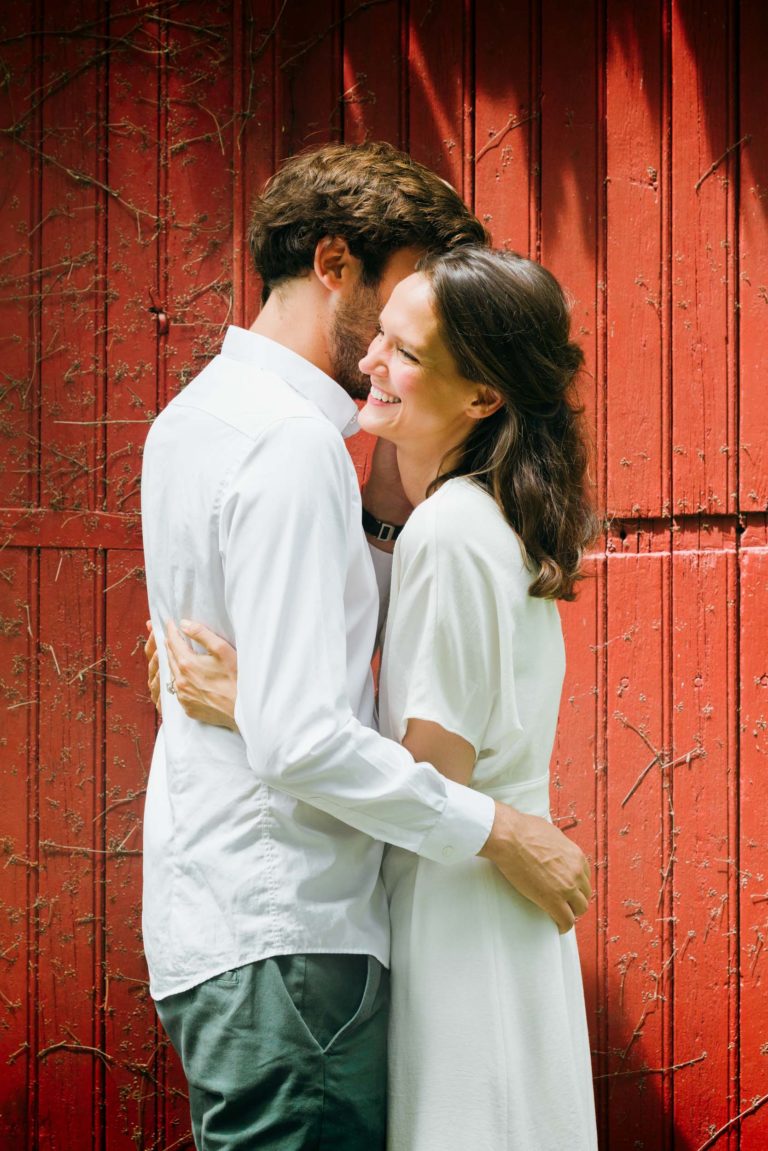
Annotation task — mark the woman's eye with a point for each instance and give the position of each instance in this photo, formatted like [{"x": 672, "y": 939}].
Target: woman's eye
[{"x": 408, "y": 356}]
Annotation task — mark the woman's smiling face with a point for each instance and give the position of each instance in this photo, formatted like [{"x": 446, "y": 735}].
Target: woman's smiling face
[{"x": 418, "y": 397}]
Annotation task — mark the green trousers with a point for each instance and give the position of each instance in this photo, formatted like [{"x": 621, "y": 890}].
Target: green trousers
[{"x": 285, "y": 1054}]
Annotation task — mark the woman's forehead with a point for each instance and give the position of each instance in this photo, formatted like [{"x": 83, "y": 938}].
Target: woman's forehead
[{"x": 411, "y": 303}]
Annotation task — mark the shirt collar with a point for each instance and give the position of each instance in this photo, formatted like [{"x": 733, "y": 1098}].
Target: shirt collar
[{"x": 314, "y": 385}]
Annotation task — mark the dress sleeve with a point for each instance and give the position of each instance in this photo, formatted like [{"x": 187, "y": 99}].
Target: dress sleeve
[{"x": 452, "y": 631}]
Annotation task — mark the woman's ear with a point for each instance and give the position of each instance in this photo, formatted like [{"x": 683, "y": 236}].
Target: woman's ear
[
  {"x": 334, "y": 264},
  {"x": 485, "y": 401}
]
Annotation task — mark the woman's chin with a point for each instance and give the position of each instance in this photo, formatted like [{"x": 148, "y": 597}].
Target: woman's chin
[{"x": 370, "y": 421}]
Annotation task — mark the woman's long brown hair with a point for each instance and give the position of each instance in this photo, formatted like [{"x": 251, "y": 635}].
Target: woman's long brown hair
[{"x": 507, "y": 324}]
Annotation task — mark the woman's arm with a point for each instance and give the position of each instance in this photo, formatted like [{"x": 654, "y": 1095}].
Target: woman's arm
[
  {"x": 453, "y": 756},
  {"x": 206, "y": 686}
]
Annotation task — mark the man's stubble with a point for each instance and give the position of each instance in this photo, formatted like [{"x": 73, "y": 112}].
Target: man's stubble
[{"x": 354, "y": 326}]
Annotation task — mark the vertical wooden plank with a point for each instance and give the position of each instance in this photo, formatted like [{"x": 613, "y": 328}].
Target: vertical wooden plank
[
  {"x": 372, "y": 93},
  {"x": 197, "y": 159},
  {"x": 638, "y": 971},
  {"x": 753, "y": 259},
  {"x": 18, "y": 274},
  {"x": 255, "y": 33},
  {"x": 133, "y": 230},
  {"x": 69, "y": 940},
  {"x": 439, "y": 104},
  {"x": 310, "y": 69},
  {"x": 18, "y": 877},
  {"x": 19, "y": 485},
  {"x": 507, "y": 111},
  {"x": 754, "y": 842},
  {"x": 132, "y": 1030},
  {"x": 576, "y": 766},
  {"x": 637, "y": 180},
  {"x": 567, "y": 237},
  {"x": 702, "y": 437},
  {"x": 702, "y": 763},
  {"x": 73, "y": 285},
  {"x": 69, "y": 1065},
  {"x": 571, "y": 165}
]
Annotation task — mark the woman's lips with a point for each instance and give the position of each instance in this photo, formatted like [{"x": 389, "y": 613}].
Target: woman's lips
[{"x": 377, "y": 396}]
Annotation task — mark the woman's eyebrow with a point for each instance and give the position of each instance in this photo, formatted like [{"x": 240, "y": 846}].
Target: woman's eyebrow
[{"x": 393, "y": 332}]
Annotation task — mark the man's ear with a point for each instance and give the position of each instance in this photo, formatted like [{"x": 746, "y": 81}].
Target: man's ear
[
  {"x": 334, "y": 264},
  {"x": 484, "y": 403}
]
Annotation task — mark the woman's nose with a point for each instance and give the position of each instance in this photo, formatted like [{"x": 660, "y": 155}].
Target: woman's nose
[{"x": 370, "y": 362}]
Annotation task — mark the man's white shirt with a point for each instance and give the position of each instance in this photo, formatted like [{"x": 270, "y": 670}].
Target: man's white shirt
[{"x": 269, "y": 842}]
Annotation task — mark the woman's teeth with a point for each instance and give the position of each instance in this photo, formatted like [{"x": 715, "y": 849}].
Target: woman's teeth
[{"x": 382, "y": 397}]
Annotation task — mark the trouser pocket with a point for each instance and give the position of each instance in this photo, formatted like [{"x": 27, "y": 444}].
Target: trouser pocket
[{"x": 332, "y": 994}]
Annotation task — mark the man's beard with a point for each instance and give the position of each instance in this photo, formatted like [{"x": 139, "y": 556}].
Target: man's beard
[{"x": 354, "y": 326}]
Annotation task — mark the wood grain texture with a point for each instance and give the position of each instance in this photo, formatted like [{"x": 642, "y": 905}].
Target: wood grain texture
[
  {"x": 508, "y": 111},
  {"x": 639, "y": 888},
  {"x": 133, "y": 1037},
  {"x": 578, "y": 777},
  {"x": 67, "y": 921},
  {"x": 753, "y": 258},
  {"x": 703, "y": 762},
  {"x": 637, "y": 184},
  {"x": 438, "y": 97},
  {"x": 702, "y": 243},
  {"x": 18, "y": 894},
  {"x": 753, "y": 855}
]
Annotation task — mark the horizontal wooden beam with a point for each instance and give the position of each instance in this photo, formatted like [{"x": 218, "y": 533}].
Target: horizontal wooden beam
[{"x": 45, "y": 528}]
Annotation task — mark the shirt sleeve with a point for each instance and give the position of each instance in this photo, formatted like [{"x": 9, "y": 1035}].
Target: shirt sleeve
[
  {"x": 452, "y": 631},
  {"x": 284, "y": 537}
]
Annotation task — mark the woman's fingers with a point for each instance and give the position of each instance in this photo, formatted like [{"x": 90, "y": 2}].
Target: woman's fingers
[
  {"x": 150, "y": 647},
  {"x": 203, "y": 681},
  {"x": 154, "y": 691},
  {"x": 201, "y": 635},
  {"x": 173, "y": 648}
]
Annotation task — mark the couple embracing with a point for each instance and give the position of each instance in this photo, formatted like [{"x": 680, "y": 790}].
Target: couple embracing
[{"x": 272, "y": 903}]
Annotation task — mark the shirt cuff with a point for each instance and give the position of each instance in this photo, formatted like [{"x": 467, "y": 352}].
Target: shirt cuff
[{"x": 463, "y": 827}]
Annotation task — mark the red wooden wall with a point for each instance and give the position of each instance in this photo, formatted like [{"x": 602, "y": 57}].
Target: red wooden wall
[{"x": 623, "y": 143}]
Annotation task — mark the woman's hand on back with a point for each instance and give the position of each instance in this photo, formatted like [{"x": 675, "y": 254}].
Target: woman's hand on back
[{"x": 205, "y": 683}]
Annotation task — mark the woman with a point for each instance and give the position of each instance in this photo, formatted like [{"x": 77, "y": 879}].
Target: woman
[{"x": 471, "y": 375}]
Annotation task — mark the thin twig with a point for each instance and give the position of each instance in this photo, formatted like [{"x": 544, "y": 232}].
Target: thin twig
[
  {"x": 76, "y": 849},
  {"x": 129, "y": 798},
  {"x": 713, "y": 167},
  {"x": 78, "y": 1049},
  {"x": 758, "y": 1103},
  {"x": 510, "y": 125},
  {"x": 638, "y": 781},
  {"x": 654, "y": 1070}
]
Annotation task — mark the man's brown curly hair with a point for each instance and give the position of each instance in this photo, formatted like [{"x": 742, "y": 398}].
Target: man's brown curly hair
[{"x": 375, "y": 197}]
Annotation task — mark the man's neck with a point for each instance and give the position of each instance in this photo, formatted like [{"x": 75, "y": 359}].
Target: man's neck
[{"x": 293, "y": 316}]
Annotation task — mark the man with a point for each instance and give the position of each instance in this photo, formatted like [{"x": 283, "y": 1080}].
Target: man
[{"x": 265, "y": 921}]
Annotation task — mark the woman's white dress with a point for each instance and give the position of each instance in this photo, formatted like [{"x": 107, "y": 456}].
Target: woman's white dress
[{"x": 488, "y": 1038}]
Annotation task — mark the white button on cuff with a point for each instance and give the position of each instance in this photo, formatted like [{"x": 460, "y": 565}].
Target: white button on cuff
[{"x": 447, "y": 852}]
